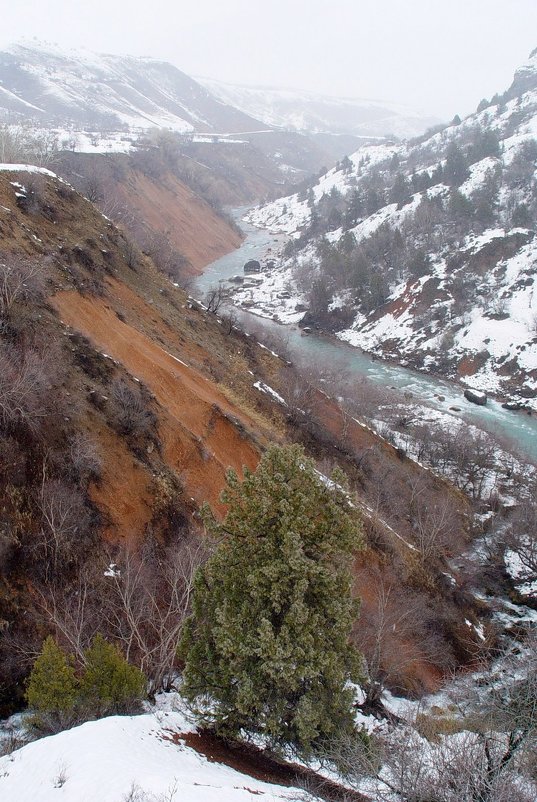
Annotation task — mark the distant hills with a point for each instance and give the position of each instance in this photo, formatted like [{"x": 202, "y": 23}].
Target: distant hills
[
  {"x": 59, "y": 87},
  {"x": 311, "y": 113},
  {"x": 99, "y": 92}
]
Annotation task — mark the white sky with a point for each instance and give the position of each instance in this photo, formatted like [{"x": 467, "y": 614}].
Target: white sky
[{"x": 440, "y": 57}]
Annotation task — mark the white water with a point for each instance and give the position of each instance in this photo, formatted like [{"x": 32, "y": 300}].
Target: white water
[{"x": 515, "y": 427}]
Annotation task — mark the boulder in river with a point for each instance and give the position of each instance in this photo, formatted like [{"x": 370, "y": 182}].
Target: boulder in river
[
  {"x": 515, "y": 406},
  {"x": 252, "y": 266},
  {"x": 476, "y": 397}
]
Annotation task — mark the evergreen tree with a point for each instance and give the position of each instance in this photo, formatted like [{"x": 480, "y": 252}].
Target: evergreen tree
[
  {"x": 460, "y": 208},
  {"x": 400, "y": 192},
  {"x": 456, "y": 167},
  {"x": 52, "y": 691},
  {"x": 110, "y": 684},
  {"x": 267, "y": 647},
  {"x": 354, "y": 208},
  {"x": 418, "y": 262},
  {"x": 346, "y": 165}
]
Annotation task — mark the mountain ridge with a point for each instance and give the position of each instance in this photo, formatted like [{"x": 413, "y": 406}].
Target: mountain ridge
[{"x": 316, "y": 113}]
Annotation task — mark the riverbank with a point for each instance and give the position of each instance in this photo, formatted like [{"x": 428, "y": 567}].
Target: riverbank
[{"x": 442, "y": 395}]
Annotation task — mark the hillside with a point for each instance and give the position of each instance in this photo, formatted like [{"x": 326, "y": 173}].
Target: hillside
[
  {"x": 114, "y": 92},
  {"x": 143, "y": 756},
  {"x": 312, "y": 113},
  {"x": 84, "y": 102},
  {"x": 123, "y": 403},
  {"x": 424, "y": 252}
]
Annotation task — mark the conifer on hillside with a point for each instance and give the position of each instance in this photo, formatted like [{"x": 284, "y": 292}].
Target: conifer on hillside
[{"x": 267, "y": 648}]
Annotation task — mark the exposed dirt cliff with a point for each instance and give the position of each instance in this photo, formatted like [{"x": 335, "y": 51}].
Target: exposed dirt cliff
[{"x": 161, "y": 398}]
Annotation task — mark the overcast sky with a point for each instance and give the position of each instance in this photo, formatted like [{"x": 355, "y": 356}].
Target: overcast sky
[{"x": 437, "y": 56}]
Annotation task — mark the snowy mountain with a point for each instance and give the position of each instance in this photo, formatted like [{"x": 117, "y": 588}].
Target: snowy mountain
[
  {"x": 312, "y": 113},
  {"x": 425, "y": 251},
  {"x": 57, "y": 87}
]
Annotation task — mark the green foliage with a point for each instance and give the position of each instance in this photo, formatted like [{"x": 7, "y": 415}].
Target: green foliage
[
  {"x": 400, "y": 191},
  {"x": 267, "y": 648},
  {"x": 110, "y": 684},
  {"x": 456, "y": 167},
  {"x": 52, "y": 688},
  {"x": 460, "y": 208},
  {"x": 418, "y": 262}
]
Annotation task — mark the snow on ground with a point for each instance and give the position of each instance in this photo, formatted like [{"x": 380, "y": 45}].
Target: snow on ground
[
  {"x": 264, "y": 388},
  {"x": 103, "y": 761},
  {"x": 26, "y": 168},
  {"x": 518, "y": 571}
]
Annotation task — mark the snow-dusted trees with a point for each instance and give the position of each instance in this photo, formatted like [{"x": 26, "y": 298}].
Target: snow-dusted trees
[
  {"x": 59, "y": 695},
  {"x": 267, "y": 648}
]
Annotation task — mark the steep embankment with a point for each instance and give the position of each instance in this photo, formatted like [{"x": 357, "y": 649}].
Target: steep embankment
[
  {"x": 167, "y": 218},
  {"x": 134, "y": 402},
  {"x": 169, "y": 208},
  {"x": 192, "y": 409}
]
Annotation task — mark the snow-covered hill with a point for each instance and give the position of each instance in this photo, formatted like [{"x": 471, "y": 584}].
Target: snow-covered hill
[
  {"x": 313, "y": 113},
  {"x": 143, "y": 758},
  {"x": 53, "y": 86},
  {"x": 425, "y": 251}
]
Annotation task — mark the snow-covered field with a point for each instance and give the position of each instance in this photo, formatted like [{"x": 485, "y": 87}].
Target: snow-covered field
[{"x": 126, "y": 759}]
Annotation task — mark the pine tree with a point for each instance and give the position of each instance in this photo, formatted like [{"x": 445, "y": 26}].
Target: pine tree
[
  {"x": 53, "y": 688},
  {"x": 110, "y": 684},
  {"x": 267, "y": 647},
  {"x": 456, "y": 167}
]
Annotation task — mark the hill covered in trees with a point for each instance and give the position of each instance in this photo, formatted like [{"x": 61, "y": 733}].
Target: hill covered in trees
[{"x": 425, "y": 251}]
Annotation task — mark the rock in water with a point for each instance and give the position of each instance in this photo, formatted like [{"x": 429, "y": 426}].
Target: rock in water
[
  {"x": 476, "y": 397},
  {"x": 253, "y": 266}
]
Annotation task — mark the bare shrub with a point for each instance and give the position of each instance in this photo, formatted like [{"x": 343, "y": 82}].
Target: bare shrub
[
  {"x": 215, "y": 297},
  {"x": 24, "y": 387},
  {"x": 21, "y": 280},
  {"x": 19, "y": 145},
  {"x": 158, "y": 246},
  {"x": 140, "y": 601},
  {"x": 85, "y": 463},
  {"x": 133, "y": 415}
]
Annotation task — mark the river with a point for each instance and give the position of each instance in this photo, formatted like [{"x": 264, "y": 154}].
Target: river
[{"x": 518, "y": 428}]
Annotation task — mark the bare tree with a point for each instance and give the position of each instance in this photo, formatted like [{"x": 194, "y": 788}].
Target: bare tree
[
  {"x": 435, "y": 529},
  {"x": 75, "y": 613},
  {"x": 395, "y": 634},
  {"x": 522, "y": 539},
  {"x": 147, "y": 605},
  {"x": 229, "y": 320},
  {"x": 215, "y": 297},
  {"x": 138, "y": 600},
  {"x": 65, "y": 523}
]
